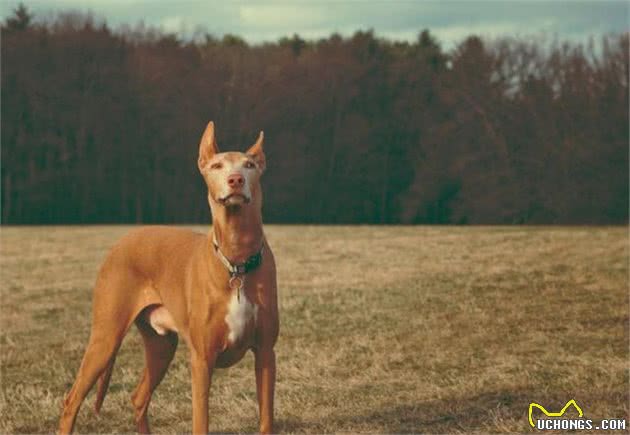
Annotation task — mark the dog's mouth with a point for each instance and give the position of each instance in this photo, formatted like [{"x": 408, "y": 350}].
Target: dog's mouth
[{"x": 234, "y": 199}]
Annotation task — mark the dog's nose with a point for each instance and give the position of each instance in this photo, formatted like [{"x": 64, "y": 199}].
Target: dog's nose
[{"x": 236, "y": 180}]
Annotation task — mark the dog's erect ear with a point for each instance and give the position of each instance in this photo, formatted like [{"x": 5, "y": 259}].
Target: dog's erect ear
[
  {"x": 257, "y": 153},
  {"x": 207, "y": 146}
]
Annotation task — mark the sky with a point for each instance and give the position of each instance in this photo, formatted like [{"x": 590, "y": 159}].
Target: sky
[{"x": 267, "y": 20}]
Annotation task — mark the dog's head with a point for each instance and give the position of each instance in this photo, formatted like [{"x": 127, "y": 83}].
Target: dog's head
[{"x": 233, "y": 178}]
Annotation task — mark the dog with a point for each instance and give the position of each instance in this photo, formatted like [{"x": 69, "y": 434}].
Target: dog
[{"x": 218, "y": 292}]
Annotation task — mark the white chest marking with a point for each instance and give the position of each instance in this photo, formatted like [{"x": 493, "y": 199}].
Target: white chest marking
[{"x": 239, "y": 313}]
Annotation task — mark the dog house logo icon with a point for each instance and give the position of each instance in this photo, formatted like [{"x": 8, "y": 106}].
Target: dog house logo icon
[{"x": 553, "y": 414}]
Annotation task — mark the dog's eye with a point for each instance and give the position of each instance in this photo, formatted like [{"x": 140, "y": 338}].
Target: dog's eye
[
  {"x": 249, "y": 165},
  {"x": 217, "y": 165}
]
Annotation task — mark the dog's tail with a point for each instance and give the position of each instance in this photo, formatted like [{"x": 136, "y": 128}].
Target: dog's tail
[{"x": 103, "y": 383}]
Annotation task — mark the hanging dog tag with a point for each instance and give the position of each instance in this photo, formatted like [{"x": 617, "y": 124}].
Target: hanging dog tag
[{"x": 237, "y": 282}]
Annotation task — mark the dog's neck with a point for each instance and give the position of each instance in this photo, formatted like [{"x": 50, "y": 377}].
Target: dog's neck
[{"x": 238, "y": 231}]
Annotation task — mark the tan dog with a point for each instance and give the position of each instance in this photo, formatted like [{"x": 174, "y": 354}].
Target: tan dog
[{"x": 218, "y": 292}]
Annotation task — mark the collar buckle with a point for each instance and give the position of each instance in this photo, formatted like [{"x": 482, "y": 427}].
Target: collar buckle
[{"x": 239, "y": 269}]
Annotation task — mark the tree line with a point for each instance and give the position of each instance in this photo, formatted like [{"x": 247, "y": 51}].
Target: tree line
[{"x": 103, "y": 126}]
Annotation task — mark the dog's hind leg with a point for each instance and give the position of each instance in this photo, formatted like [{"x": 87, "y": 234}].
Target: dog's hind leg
[
  {"x": 159, "y": 351},
  {"x": 103, "y": 384},
  {"x": 99, "y": 352},
  {"x": 111, "y": 317}
]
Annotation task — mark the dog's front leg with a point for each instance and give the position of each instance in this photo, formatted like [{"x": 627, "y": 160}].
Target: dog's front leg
[
  {"x": 265, "y": 383},
  {"x": 201, "y": 368}
]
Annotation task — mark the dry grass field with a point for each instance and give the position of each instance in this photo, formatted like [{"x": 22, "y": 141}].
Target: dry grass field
[{"x": 383, "y": 329}]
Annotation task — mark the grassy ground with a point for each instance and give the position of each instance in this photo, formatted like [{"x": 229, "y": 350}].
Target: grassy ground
[{"x": 399, "y": 329}]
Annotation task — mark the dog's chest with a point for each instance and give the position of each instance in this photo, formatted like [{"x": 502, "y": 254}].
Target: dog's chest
[{"x": 240, "y": 318}]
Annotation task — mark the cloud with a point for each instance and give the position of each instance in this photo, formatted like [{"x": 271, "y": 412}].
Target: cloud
[
  {"x": 174, "y": 24},
  {"x": 279, "y": 16}
]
